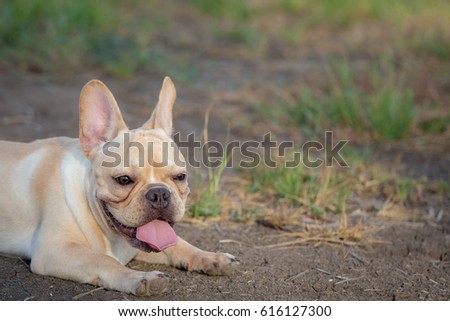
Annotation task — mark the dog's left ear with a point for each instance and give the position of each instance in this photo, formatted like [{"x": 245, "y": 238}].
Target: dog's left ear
[{"x": 162, "y": 115}]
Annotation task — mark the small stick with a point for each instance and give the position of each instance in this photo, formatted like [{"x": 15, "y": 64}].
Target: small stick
[
  {"x": 348, "y": 280},
  {"x": 292, "y": 278},
  {"x": 433, "y": 281},
  {"x": 323, "y": 271},
  {"x": 235, "y": 242},
  {"x": 358, "y": 258},
  {"x": 401, "y": 271}
]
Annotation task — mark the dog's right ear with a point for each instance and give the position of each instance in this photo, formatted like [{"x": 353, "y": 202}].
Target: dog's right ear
[
  {"x": 162, "y": 115},
  {"x": 100, "y": 117}
]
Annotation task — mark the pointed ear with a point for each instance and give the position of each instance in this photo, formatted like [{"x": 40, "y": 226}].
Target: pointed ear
[
  {"x": 100, "y": 117},
  {"x": 162, "y": 115}
]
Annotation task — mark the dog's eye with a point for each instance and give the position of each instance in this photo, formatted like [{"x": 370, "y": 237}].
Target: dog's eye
[
  {"x": 180, "y": 177},
  {"x": 124, "y": 180}
]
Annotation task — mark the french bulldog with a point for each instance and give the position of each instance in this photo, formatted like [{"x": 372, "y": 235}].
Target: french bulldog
[{"x": 81, "y": 209}]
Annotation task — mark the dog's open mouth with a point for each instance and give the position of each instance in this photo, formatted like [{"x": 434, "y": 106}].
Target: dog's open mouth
[{"x": 154, "y": 236}]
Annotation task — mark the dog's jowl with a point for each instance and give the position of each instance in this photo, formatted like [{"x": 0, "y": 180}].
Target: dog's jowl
[{"x": 77, "y": 218}]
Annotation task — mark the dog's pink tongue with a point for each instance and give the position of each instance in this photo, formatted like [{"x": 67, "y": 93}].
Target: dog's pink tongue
[{"x": 158, "y": 234}]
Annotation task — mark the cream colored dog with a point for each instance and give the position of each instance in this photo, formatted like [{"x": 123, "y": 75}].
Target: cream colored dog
[{"x": 82, "y": 209}]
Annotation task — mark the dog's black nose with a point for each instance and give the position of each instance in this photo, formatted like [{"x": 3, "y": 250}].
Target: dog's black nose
[{"x": 159, "y": 197}]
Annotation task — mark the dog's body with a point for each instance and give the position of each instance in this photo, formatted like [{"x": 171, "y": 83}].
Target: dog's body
[{"x": 64, "y": 205}]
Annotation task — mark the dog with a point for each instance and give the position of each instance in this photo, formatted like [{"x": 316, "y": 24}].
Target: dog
[{"x": 78, "y": 211}]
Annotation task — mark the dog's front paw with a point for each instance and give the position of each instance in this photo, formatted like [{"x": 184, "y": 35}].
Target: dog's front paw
[
  {"x": 149, "y": 283},
  {"x": 213, "y": 263}
]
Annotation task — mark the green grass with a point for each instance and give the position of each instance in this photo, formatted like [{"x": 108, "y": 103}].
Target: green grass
[
  {"x": 413, "y": 26},
  {"x": 345, "y": 13},
  {"x": 120, "y": 36},
  {"x": 405, "y": 188},
  {"x": 435, "y": 42},
  {"x": 379, "y": 104},
  {"x": 336, "y": 12},
  {"x": 436, "y": 125},
  {"x": 230, "y": 21},
  {"x": 235, "y": 9},
  {"x": 428, "y": 32},
  {"x": 121, "y": 56},
  {"x": 207, "y": 202},
  {"x": 444, "y": 187},
  {"x": 240, "y": 34},
  {"x": 58, "y": 36},
  {"x": 319, "y": 190},
  {"x": 207, "y": 199},
  {"x": 43, "y": 34}
]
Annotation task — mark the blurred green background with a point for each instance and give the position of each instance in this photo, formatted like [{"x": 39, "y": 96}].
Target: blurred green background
[
  {"x": 375, "y": 72},
  {"x": 125, "y": 36},
  {"x": 401, "y": 40}
]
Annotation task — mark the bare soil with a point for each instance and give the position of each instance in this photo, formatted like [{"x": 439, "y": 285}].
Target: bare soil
[
  {"x": 414, "y": 266},
  {"x": 412, "y": 263}
]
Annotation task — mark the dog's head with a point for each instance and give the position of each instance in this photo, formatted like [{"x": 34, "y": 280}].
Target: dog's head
[{"x": 139, "y": 176}]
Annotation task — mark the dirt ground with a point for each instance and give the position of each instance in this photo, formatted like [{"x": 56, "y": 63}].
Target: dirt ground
[
  {"x": 411, "y": 264},
  {"x": 408, "y": 269}
]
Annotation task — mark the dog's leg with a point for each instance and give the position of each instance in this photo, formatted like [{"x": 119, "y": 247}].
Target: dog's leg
[
  {"x": 78, "y": 263},
  {"x": 188, "y": 257}
]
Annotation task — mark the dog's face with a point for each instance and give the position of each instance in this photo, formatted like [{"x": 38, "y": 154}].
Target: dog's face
[
  {"x": 148, "y": 183},
  {"x": 139, "y": 176}
]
